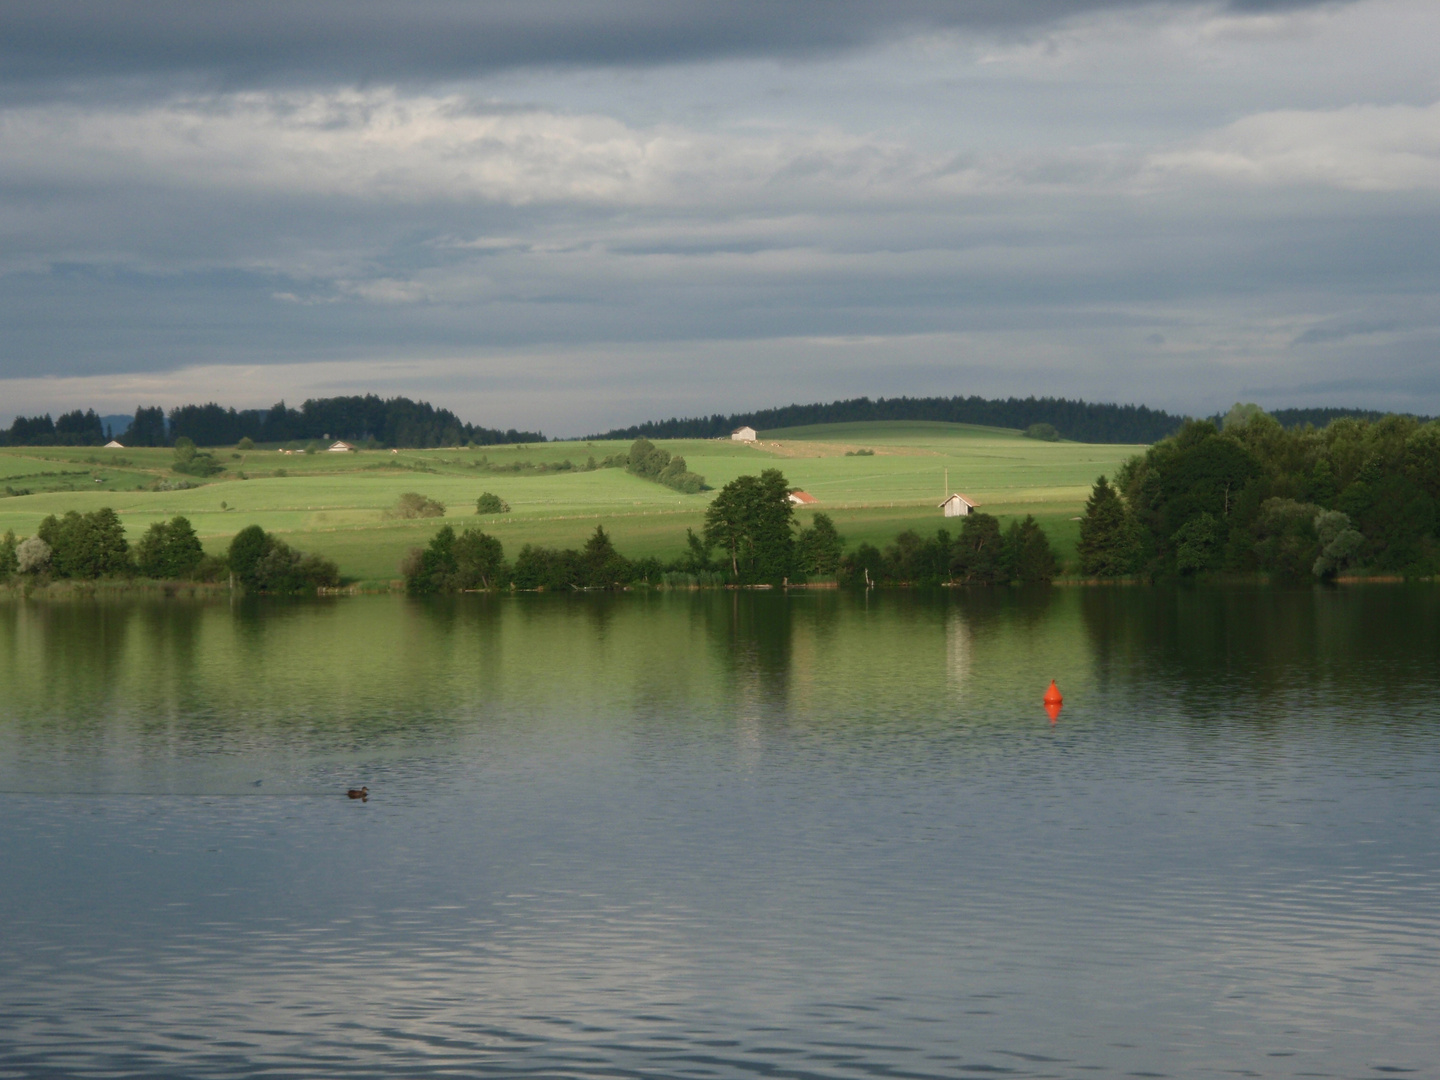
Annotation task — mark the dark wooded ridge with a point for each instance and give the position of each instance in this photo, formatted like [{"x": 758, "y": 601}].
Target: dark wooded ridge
[
  {"x": 398, "y": 422},
  {"x": 401, "y": 422},
  {"x": 1078, "y": 421}
]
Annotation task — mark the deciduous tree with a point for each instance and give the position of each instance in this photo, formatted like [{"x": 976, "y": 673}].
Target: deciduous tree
[{"x": 750, "y": 520}]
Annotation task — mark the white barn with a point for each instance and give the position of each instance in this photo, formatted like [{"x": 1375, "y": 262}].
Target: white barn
[
  {"x": 958, "y": 505},
  {"x": 340, "y": 447},
  {"x": 744, "y": 434},
  {"x": 114, "y": 444}
]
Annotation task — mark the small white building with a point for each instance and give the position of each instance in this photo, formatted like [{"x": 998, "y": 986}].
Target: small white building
[
  {"x": 744, "y": 434},
  {"x": 958, "y": 505},
  {"x": 802, "y": 498},
  {"x": 339, "y": 448},
  {"x": 114, "y": 444}
]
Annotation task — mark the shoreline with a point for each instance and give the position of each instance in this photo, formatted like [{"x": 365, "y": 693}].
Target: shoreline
[{"x": 67, "y": 590}]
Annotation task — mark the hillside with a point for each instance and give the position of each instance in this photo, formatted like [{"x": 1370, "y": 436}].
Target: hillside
[
  {"x": 336, "y": 504},
  {"x": 1080, "y": 421}
]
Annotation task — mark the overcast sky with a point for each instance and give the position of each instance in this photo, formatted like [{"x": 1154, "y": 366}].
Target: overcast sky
[{"x": 572, "y": 215}]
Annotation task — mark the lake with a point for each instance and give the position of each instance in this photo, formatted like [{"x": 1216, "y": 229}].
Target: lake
[{"x": 724, "y": 834}]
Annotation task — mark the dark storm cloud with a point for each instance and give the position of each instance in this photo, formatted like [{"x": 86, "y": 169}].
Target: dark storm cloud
[{"x": 262, "y": 41}]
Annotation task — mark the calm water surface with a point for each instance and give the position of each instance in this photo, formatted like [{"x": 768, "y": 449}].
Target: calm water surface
[{"x": 724, "y": 835}]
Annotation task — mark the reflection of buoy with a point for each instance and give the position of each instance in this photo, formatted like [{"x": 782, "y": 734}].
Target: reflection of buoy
[
  {"x": 1052, "y": 710},
  {"x": 1053, "y": 694}
]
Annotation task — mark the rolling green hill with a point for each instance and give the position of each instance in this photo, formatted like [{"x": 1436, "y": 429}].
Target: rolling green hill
[{"x": 335, "y": 504}]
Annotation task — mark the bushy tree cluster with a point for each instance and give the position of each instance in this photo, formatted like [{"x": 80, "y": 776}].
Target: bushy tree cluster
[
  {"x": 192, "y": 462},
  {"x": 647, "y": 460},
  {"x": 1258, "y": 497},
  {"x": 980, "y": 555},
  {"x": 169, "y": 550},
  {"x": 411, "y": 504},
  {"x": 86, "y": 545},
  {"x": 262, "y": 563},
  {"x": 595, "y": 566},
  {"x": 93, "y": 545},
  {"x": 473, "y": 560},
  {"x": 490, "y": 503}
]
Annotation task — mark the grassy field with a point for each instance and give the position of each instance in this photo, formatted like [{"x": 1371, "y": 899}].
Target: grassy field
[{"x": 335, "y": 504}]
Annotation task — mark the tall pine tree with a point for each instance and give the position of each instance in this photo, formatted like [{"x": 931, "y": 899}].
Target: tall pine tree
[{"x": 1109, "y": 541}]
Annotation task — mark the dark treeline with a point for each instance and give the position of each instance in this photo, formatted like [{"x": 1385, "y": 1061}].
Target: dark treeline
[
  {"x": 981, "y": 554},
  {"x": 397, "y": 422},
  {"x": 401, "y": 422},
  {"x": 72, "y": 429},
  {"x": 1080, "y": 421},
  {"x": 1252, "y": 496}
]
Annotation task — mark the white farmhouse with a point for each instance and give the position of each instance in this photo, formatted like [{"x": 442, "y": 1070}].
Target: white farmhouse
[
  {"x": 340, "y": 447},
  {"x": 114, "y": 444},
  {"x": 744, "y": 434},
  {"x": 958, "y": 505}
]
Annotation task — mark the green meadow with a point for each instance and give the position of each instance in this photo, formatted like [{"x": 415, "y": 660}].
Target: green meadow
[{"x": 336, "y": 504}]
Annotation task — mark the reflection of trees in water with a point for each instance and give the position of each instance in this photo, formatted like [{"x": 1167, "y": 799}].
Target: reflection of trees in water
[
  {"x": 753, "y": 630},
  {"x": 959, "y": 651},
  {"x": 82, "y": 655},
  {"x": 449, "y": 655},
  {"x": 981, "y": 639},
  {"x": 1209, "y": 646},
  {"x": 753, "y": 635},
  {"x": 170, "y": 642}
]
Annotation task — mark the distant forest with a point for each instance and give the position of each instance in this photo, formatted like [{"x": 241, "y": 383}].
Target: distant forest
[
  {"x": 400, "y": 422},
  {"x": 1079, "y": 421},
  {"x": 397, "y": 422}
]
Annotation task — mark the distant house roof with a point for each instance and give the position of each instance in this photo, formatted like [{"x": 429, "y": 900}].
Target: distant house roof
[
  {"x": 114, "y": 445},
  {"x": 962, "y": 498},
  {"x": 339, "y": 447},
  {"x": 745, "y": 434},
  {"x": 802, "y": 498}
]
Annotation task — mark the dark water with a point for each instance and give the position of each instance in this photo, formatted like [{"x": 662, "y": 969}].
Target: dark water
[{"x": 724, "y": 836}]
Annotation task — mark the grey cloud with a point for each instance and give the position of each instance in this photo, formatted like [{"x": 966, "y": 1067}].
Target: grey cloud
[
  {"x": 267, "y": 41},
  {"x": 1333, "y": 330}
]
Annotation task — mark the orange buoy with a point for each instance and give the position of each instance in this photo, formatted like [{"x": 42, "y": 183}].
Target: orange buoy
[
  {"x": 1052, "y": 710},
  {"x": 1052, "y": 696}
]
